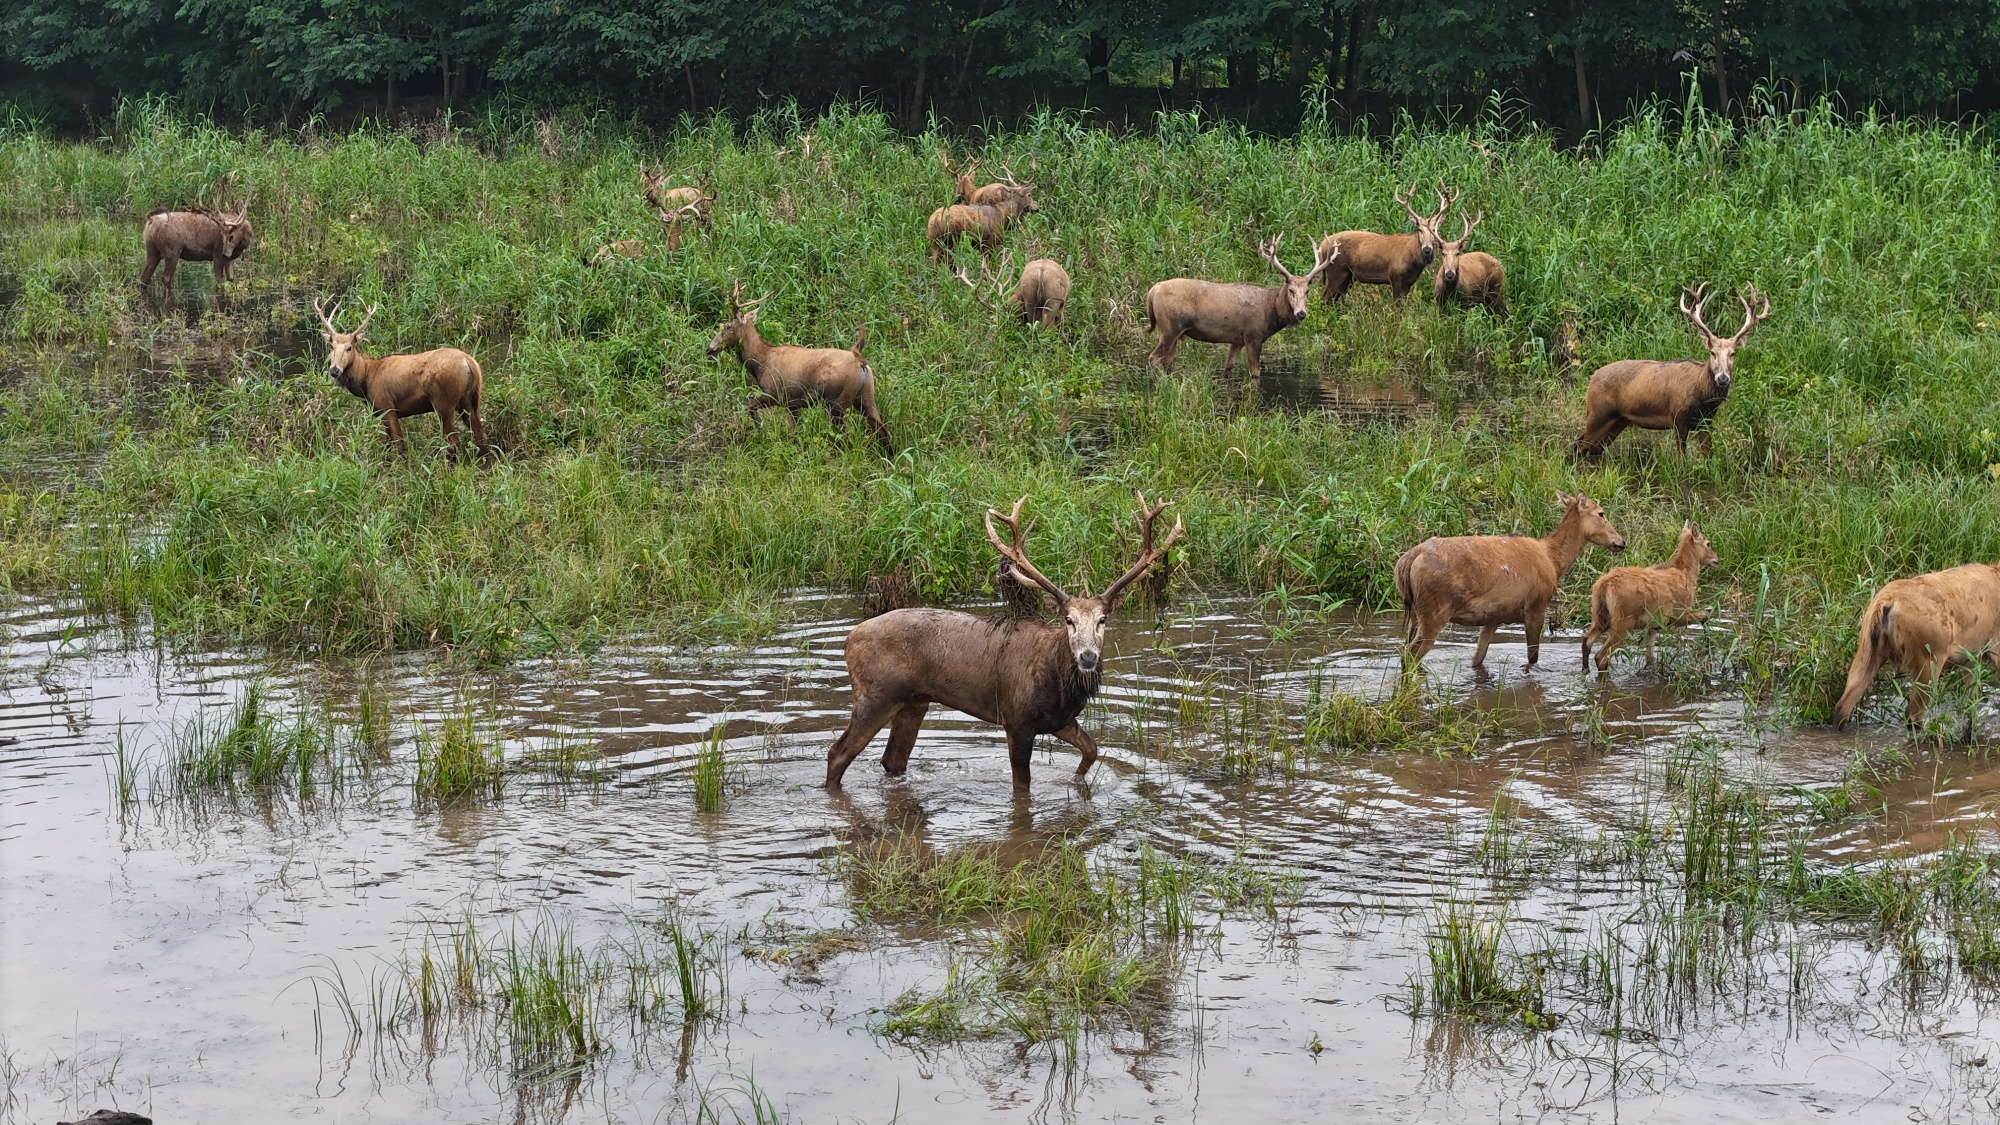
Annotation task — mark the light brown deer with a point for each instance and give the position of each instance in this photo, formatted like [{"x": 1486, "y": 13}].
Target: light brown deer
[
  {"x": 205, "y": 232},
  {"x": 795, "y": 377},
  {"x": 1394, "y": 260},
  {"x": 636, "y": 247},
  {"x": 444, "y": 381},
  {"x": 1647, "y": 597},
  {"x": 1919, "y": 625},
  {"x": 697, "y": 203},
  {"x": 1038, "y": 297},
  {"x": 1022, "y": 674},
  {"x": 1494, "y": 580},
  {"x": 1241, "y": 314},
  {"x": 1470, "y": 277},
  {"x": 985, "y": 223},
  {"x": 1679, "y": 395}
]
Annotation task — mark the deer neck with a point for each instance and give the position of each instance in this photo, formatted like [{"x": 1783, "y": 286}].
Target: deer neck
[
  {"x": 756, "y": 353},
  {"x": 1565, "y": 543},
  {"x": 1685, "y": 560},
  {"x": 359, "y": 373}
]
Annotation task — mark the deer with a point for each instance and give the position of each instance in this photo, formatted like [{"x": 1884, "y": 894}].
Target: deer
[
  {"x": 796, "y": 377},
  {"x": 1037, "y": 298},
  {"x": 1241, "y": 314},
  {"x": 982, "y": 222},
  {"x": 1920, "y": 624},
  {"x": 1394, "y": 260},
  {"x": 205, "y": 232},
  {"x": 1679, "y": 395},
  {"x": 444, "y": 381},
  {"x": 697, "y": 203},
  {"x": 1022, "y": 674},
  {"x": 1471, "y": 278},
  {"x": 1494, "y": 580},
  {"x": 1644, "y": 597},
  {"x": 636, "y": 247}
]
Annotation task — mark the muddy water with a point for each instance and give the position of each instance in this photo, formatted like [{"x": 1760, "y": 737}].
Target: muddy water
[{"x": 162, "y": 959}]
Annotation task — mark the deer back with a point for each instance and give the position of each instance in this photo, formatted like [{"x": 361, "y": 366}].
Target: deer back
[
  {"x": 1042, "y": 291},
  {"x": 1652, "y": 394},
  {"x": 1481, "y": 579},
  {"x": 416, "y": 382},
  {"x": 1378, "y": 258},
  {"x": 1218, "y": 312},
  {"x": 1016, "y": 672},
  {"x": 794, "y": 374},
  {"x": 1953, "y": 612}
]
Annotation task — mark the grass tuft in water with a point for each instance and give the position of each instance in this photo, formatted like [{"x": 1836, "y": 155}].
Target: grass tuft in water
[
  {"x": 457, "y": 762},
  {"x": 1409, "y": 720},
  {"x": 253, "y": 745},
  {"x": 711, "y": 770},
  {"x": 1471, "y": 970}
]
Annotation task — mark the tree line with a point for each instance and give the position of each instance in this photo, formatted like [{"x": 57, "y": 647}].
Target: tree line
[{"x": 1567, "y": 63}]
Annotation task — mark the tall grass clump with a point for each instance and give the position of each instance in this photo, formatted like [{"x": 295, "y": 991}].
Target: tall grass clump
[
  {"x": 459, "y": 762},
  {"x": 251, "y": 745},
  {"x": 1472, "y": 970},
  {"x": 711, "y": 770}
]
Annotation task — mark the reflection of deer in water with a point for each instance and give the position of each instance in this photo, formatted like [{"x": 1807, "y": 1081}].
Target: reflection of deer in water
[{"x": 1028, "y": 677}]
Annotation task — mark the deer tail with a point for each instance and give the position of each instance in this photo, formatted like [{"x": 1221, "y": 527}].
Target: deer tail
[
  {"x": 1868, "y": 657},
  {"x": 1404, "y": 590},
  {"x": 860, "y": 338}
]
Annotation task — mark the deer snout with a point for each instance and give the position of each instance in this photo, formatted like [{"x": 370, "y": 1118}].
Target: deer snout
[
  {"x": 1087, "y": 660},
  {"x": 714, "y": 349},
  {"x": 1617, "y": 544},
  {"x": 1451, "y": 277}
]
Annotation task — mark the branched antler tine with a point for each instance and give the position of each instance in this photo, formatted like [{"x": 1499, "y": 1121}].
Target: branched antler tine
[
  {"x": 1446, "y": 197},
  {"x": 363, "y": 326},
  {"x": 1403, "y": 198},
  {"x": 1016, "y": 555},
  {"x": 1700, "y": 294},
  {"x": 1148, "y": 554},
  {"x": 1477, "y": 218},
  {"x": 960, "y": 274},
  {"x": 1748, "y": 294},
  {"x": 736, "y": 298},
  {"x": 323, "y": 318}
]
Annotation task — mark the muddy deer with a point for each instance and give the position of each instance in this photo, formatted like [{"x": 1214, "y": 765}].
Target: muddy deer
[
  {"x": 1241, "y": 314},
  {"x": 1470, "y": 277},
  {"x": 984, "y": 223},
  {"x": 1647, "y": 597},
  {"x": 1038, "y": 297},
  {"x": 1394, "y": 260},
  {"x": 795, "y": 377},
  {"x": 1494, "y": 580},
  {"x": 205, "y": 232},
  {"x": 444, "y": 381},
  {"x": 1679, "y": 395},
  {"x": 1022, "y": 674},
  {"x": 1921, "y": 624}
]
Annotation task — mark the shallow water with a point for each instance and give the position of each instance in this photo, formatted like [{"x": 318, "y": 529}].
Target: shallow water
[{"x": 161, "y": 959}]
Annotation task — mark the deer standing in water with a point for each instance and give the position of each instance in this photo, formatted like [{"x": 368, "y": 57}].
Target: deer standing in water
[
  {"x": 205, "y": 232},
  {"x": 1640, "y": 597},
  {"x": 1921, "y": 624}
]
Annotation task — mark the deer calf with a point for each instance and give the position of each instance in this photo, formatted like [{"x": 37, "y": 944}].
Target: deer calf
[
  {"x": 1241, "y": 314},
  {"x": 985, "y": 223},
  {"x": 201, "y": 233},
  {"x": 796, "y": 377},
  {"x": 1470, "y": 278},
  {"x": 1921, "y": 624},
  {"x": 1023, "y": 675},
  {"x": 1679, "y": 395},
  {"x": 1394, "y": 260},
  {"x": 1494, "y": 580},
  {"x": 444, "y": 381},
  {"x": 1640, "y": 597}
]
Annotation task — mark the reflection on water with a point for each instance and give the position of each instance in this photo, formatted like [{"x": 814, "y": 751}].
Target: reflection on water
[
  {"x": 1329, "y": 391},
  {"x": 155, "y": 957}
]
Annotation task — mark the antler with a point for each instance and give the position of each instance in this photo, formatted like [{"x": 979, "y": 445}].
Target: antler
[
  {"x": 249, "y": 193},
  {"x": 1319, "y": 263},
  {"x": 1268, "y": 250},
  {"x": 1016, "y": 555},
  {"x": 1148, "y": 554},
  {"x": 1446, "y": 197},
  {"x": 1404, "y": 198},
  {"x": 1751, "y": 319},
  {"x": 1477, "y": 218},
  {"x": 363, "y": 326},
  {"x": 1700, "y": 295},
  {"x": 325, "y": 319}
]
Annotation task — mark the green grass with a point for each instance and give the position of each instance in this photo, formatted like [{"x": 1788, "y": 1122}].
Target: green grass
[
  {"x": 459, "y": 762},
  {"x": 247, "y": 746},
  {"x": 711, "y": 770}
]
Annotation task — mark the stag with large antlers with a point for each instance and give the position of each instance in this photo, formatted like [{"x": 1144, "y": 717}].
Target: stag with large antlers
[
  {"x": 1470, "y": 277},
  {"x": 984, "y": 220},
  {"x": 205, "y": 232},
  {"x": 795, "y": 377},
  {"x": 1022, "y": 674},
  {"x": 1241, "y": 314},
  {"x": 1394, "y": 260},
  {"x": 443, "y": 381},
  {"x": 1679, "y": 395},
  {"x": 697, "y": 203}
]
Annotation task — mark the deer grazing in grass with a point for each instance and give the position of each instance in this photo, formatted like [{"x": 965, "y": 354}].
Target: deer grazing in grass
[
  {"x": 697, "y": 203},
  {"x": 1022, "y": 674},
  {"x": 1038, "y": 297},
  {"x": 1646, "y": 597},
  {"x": 1679, "y": 395},
  {"x": 1394, "y": 260},
  {"x": 796, "y": 377},
  {"x": 1241, "y": 314},
  {"x": 205, "y": 232},
  {"x": 984, "y": 223},
  {"x": 444, "y": 381},
  {"x": 1921, "y": 624},
  {"x": 1494, "y": 580},
  {"x": 1470, "y": 277}
]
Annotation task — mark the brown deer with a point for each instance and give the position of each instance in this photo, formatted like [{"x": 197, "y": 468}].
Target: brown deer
[
  {"x": 636, "y": 247},
  {"x": 796, "y": 377},
  {"x": 201, "y": 233},
  {"x": 1921, "y": 624},
  {"x": 697, "y": 203},
  {"x": 985, "y": 223},
  {"x": 1470, "y": 278},
  {"x": 1679, "y": 395},
  {"x": 1241, "y": 314},
  {"x": 1038, "y": 297},
  {"x": 1494, "y": 580},
  {"x": 1394, "y": 260},
  {"x": 1022, "y": 674},
  {"x": 1642, "y": 597},
  {"x": 444, "y": 381}
]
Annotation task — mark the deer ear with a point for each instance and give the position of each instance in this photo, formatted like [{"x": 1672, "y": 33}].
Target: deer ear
[{"x": 1564, "y": 498}]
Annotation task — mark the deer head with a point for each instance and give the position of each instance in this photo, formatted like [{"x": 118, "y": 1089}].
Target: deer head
[
  {"x": 235, "y": 224},
  {"x": 1594, "y": 526},
  {"x": 1296, "y": 285},
  {"x": 1427, "y": 225},
  {"x": 342, "y": 347},
  {"x": 1449, "y": 251},
  {"x": 1693, "y": 539},
  {"x": 742, "y": 322},
  {"x": 673, "y": 217},
  {"x": 1083, "y": 615},
  {"x": 1722, "y": 349}
]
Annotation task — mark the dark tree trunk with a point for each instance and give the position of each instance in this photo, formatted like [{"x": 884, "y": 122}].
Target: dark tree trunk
[
  {"x": 917, "y": 115},
  {"x": 1353, "y": 51},
  {"x": 1582, "y": 87},
  {"x": 1099, "y": 61},
  {"x": 971, "y": 41},
  {"x": 1721, "y": 75}
]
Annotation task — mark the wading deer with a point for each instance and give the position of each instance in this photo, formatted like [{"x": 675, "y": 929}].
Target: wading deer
[
  {"x": 982, "y": 222},
  {"x": 1024, "y": 675},
  {"x": 1494, "y": 580},
  {"x": 1679, "y": 395},
  {"x": 1241, "y": 314},
  {"x": 1921, "y": 624},
  {"x": 795, "y": 377},
  {"x": 1470, "y": 278},
  {"x": 201, "y": 233},
  {"x": 1647, "y": 597},
  {"x": 1394, "y": 260},
  {"x": 444, "y": 381}
]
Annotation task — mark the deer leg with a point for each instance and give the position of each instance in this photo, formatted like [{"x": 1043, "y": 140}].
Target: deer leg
[
  {"x": 1486, "y": 635},
  {"x": 1537, "y": 617},
  {"x": 1020, "y": 747},
  {"x": 152, "y": 263},
  {"x": 172, "y": 264},
  {"x": 394, "y": 426},
  {"x": 1231, "y": 361},
  {"x": 874, "y": 415},
  {"x": 1920, "y": 691},
  {"x": 1163, "y": 353},
  {"x": 1614, "y": 637},
  {"x": 1595, "y": 631},
  {"x": 1706, "y": 439},
  {"x": 1074, "y": 735},
  {"x": 867, "y": 718},
  {"x": 903, "y": 727},
  {"x": 455, "y": 449},
  {"x": 1335, "y": 286},
  {"x": 478, "y": 431},
  {"x": 1598, "y": 434},
  {"x": 1423, "y": 637},
  {"x": 221, "y": 270}
]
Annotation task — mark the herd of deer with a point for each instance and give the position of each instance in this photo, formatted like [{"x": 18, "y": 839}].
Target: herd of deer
[{"x": 1031, "y": 677}]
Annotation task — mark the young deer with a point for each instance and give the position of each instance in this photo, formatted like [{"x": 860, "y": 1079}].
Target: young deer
[
  {"x": 1240, "y": 314},
  {"x": 1643, "y": 597},
  {"x": 1494, "y": 580},
  {"x": 1024, "y": 675},
  {"x": 444, "y": 381},
  {"x": 205, "y": 232},
  {"x": 1679, "y": 395},
  {"x": 1394, "y": 260},
  {"x": 796, "y": 377},
  {"x": 1921, "y": 624},
  {"x": 1474, "y": 278}
]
